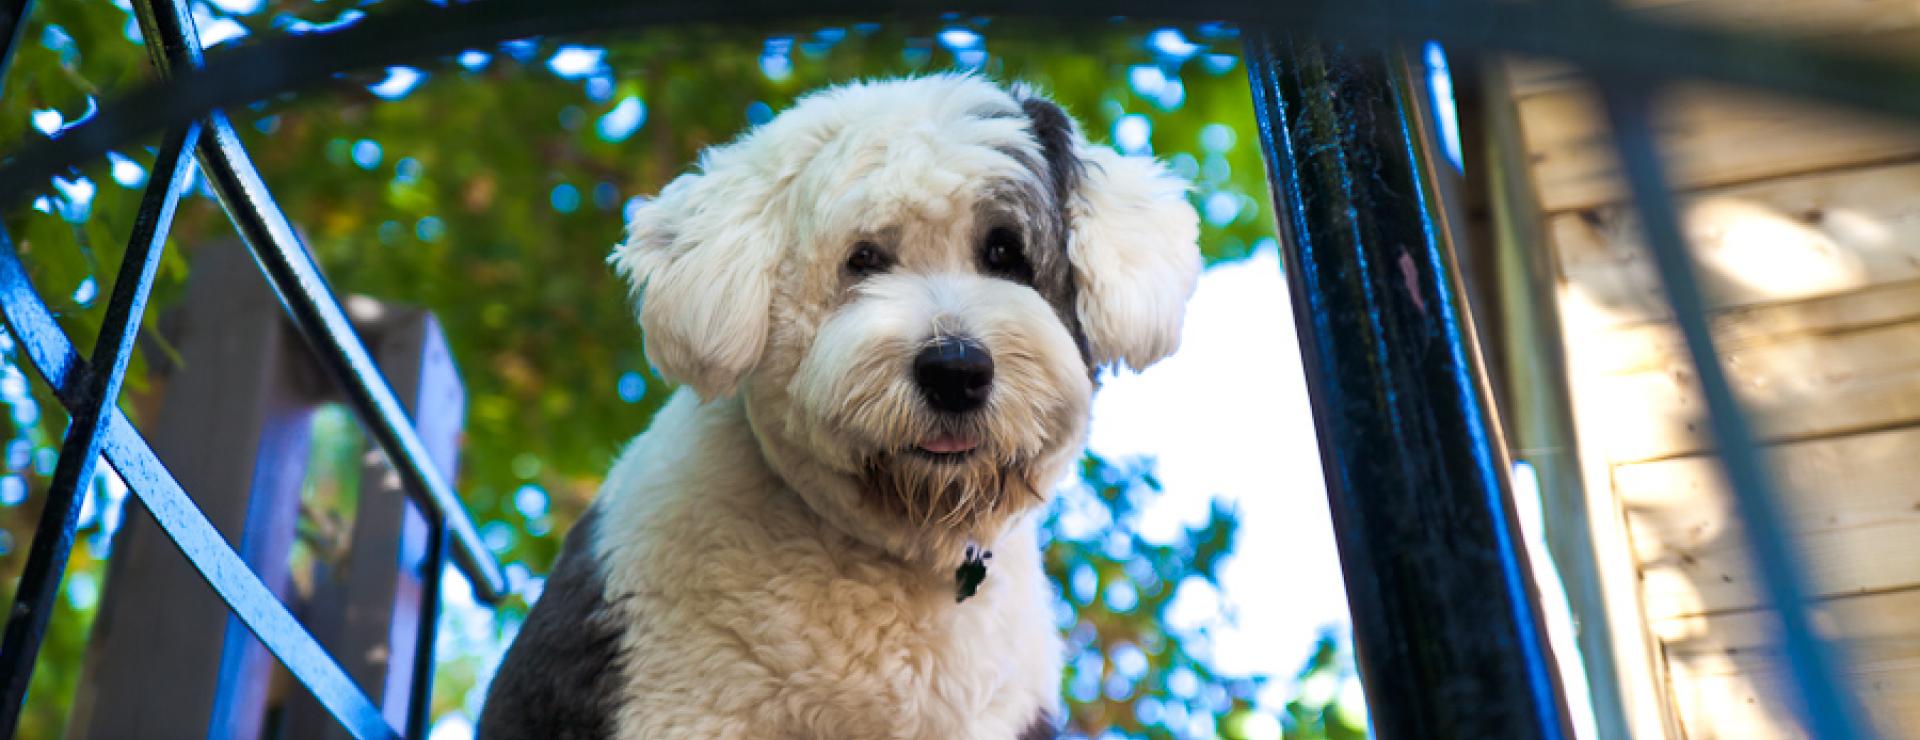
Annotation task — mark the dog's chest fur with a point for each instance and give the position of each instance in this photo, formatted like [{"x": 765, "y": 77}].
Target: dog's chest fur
[{"x": 727, "y": 608}]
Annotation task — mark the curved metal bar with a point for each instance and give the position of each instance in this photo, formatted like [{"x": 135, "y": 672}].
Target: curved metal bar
[
  {"x": 291, "y": 270},
  {"x": 1828, "y": 710},
  {"x": 1589, "y": 38},
  {"x": 52, "y": 354},
  {"x": 94, "y": 394}
]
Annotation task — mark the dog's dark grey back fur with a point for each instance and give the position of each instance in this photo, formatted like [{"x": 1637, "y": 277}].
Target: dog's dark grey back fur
[{"x": 559, "y": 681}]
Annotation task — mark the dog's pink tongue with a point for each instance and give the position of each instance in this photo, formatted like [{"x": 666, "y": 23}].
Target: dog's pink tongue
[{"x": 946, "y": 444}]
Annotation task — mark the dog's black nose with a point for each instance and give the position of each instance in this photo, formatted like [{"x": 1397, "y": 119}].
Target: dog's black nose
[{"x": 954, "y": 374}]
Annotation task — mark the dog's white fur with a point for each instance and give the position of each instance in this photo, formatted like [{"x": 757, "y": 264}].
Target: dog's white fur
[{"x": 784, "y": 565}]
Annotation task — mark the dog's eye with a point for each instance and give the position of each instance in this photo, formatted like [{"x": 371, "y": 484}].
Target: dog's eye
[
  {"x": 867, "y": 259},
  {"x": 1002, "y": 255}
]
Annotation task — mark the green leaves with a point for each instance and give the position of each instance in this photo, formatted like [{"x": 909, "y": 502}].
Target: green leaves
[{"x": 1128, "y": 668}]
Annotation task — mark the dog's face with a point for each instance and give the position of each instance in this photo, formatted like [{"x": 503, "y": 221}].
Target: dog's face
[{"x": 912, "y": 284}]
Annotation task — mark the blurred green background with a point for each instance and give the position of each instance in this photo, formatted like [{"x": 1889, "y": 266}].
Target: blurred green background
[{"x": 489, "y": 187}]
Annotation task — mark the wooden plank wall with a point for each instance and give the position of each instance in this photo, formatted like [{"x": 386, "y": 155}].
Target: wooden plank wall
[{"x": 1806, "y": 224}]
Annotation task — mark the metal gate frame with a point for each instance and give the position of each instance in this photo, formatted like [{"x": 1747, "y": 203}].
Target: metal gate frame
[
  {"x": 89, "y": 390},
  {"x": 1413, "y": 456}
]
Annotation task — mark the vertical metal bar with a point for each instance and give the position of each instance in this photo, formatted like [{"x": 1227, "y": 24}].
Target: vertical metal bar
[
  {"x": 420, "y": 701},
  {"x": 95, "y": 397},
  {"x": 1448, "y": 633},
  {"x": 1827, "y": 707}
]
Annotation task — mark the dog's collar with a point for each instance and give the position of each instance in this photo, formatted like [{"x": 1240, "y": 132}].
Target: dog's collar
[{"x": 972, "y": 571}]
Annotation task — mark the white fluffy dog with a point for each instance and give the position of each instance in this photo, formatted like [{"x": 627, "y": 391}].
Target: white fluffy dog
[{"x": 892, "y": 301}]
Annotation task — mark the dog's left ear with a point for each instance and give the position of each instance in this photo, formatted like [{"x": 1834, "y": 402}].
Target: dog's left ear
[
  {"x": 1132, "y": 239},
  {"x": 700, "y": 258}
]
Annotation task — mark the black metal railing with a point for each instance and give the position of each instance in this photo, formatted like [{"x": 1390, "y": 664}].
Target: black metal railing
[
  {"x": 1447, "y": 624},
  {"x": 89, "y": 390},
  {"x": 1366, "y": 250}
]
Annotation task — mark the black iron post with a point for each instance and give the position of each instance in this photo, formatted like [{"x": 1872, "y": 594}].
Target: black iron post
[{"x": 1449, "y": 638}]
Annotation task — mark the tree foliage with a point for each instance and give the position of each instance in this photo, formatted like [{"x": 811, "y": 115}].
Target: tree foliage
[{"x": 489, "y": 187}]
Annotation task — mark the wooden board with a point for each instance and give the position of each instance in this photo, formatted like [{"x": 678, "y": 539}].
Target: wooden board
[
  {"x": 1853, "y": 509},
  {"x": 1711, "y": 137},
  {"x": 1803, "y": 369},
  {"x": 1810, "y": 255},
  {"x": 1728, "y": 685},
  {"x": 1777, "y": 240}
]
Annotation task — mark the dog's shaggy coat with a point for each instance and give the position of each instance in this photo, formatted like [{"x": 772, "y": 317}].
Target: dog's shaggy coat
[{"x": 775, "y": 557}]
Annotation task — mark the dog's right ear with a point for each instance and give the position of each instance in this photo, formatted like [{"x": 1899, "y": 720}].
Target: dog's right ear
[{"x": 700, "y": 259}]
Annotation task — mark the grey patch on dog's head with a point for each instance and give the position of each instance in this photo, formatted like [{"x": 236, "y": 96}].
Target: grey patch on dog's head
[
  {"x": 1045, "y": 212},
  {"x": 1054, "y": 129},
  {"x": 558, "y": 681}
]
